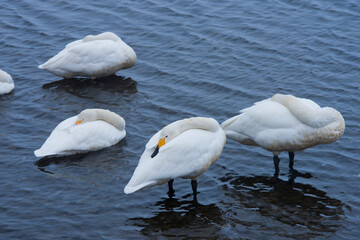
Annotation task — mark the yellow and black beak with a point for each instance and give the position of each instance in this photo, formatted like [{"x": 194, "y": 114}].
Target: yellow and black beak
[{"x": 160, "y": 144}]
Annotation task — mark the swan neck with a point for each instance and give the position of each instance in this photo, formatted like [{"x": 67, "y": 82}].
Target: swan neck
[
  {"x": 178, "y": 127},
  {"x": 111, "y": 118},
  {"x": 308, "y": 112}
]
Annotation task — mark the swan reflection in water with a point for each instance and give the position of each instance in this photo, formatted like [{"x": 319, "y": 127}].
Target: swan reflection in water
[
  {"x": 181, "y": 219},
  {"x": 44, "y": 162},
  {"x": 86, "y": 87},
  {"x": 292, "y": 209},
  {"x": 255, "y": 205},
  {"x": 102, "y": 162}
]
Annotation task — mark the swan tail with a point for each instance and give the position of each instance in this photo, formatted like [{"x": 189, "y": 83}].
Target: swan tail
[{"x": 131, "y": 189}]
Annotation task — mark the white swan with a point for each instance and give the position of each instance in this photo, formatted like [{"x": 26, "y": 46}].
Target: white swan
[
  {"x": 285, "y": 123},
  {"x": 94, "y": 56},
  {"x": 6, "y": 82},
  {"x": 183, "y": 149},
  {"x": 91, "y": 130}
]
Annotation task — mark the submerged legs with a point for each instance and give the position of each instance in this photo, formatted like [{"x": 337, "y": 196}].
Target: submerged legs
[
  {"x": 292, "y": 172},
  {"x": 277, "y": 161},
  {"x": 276, "y": 165},
  {"x": 291, "y": 161},
  {"x": 171, "y": 191},
  {"x": 194, "y": 187}
]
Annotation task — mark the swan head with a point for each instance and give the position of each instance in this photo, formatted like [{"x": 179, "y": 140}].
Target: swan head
[
  {"x": 94, "y": 114},
  {"x": 174, "y": 129},
  {"x": 169, "y": 132},
  {"x": 159, "y": 145},
  {"x": 86, "y": 116}
]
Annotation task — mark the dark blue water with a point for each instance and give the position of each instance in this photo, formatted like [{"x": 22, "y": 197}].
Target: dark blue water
[{"x": 195, "y": 58}]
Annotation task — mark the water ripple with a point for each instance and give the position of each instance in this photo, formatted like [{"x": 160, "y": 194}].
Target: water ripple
[{"x": 194, "y": 59}]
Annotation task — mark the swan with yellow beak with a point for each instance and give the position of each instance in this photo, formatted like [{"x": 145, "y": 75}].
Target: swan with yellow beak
[
  {"x": 91, "y": 130},
  {"x": 182, "y": 149}
]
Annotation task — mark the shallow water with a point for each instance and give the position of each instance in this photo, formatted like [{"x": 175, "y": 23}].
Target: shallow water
[{"x": 195, "y": 58}]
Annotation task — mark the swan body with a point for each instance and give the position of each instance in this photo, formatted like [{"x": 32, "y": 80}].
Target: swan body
[
  {"x": 285, "y": 123},
  {"x": 94, "y": 56},
  {"x": 182, "y": 149},
  {"x": 6, "y": 82},
  {"x": 91, "y": 130}
]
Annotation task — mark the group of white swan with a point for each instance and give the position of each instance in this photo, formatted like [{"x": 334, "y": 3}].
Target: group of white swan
[
  {"x": 188, "y": 147},
  {"x": 185, "y": 148}
]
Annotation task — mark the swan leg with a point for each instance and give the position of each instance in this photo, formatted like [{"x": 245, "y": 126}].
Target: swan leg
[
  {"x": 291, "y": 161},
  {"x": 276, "y": 165},
  {"x": 171, "y": 191},
  {"x": 194, "y": 187}
]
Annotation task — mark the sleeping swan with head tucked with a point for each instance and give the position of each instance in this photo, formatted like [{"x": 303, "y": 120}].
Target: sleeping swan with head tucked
[
  {"x": 91, "y": 130},
  {"x": 94, "y": 56},
  {"x": 285, "y": 123},
  {"x": 182, "y": 149},
  {"x": 6, "y": 82}
]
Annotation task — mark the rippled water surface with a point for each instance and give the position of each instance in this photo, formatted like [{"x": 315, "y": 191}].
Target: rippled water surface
[{"x": 195, "y": 58}]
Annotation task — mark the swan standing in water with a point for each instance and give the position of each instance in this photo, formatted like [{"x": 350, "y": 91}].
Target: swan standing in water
[
  {"x": 94, "y": 56},
  {"x": 182, "y": 149},
  {"x": 91, "y": 130},
  {"x": 6, "y": 82},
  {"x": 285, "y": 123}
]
